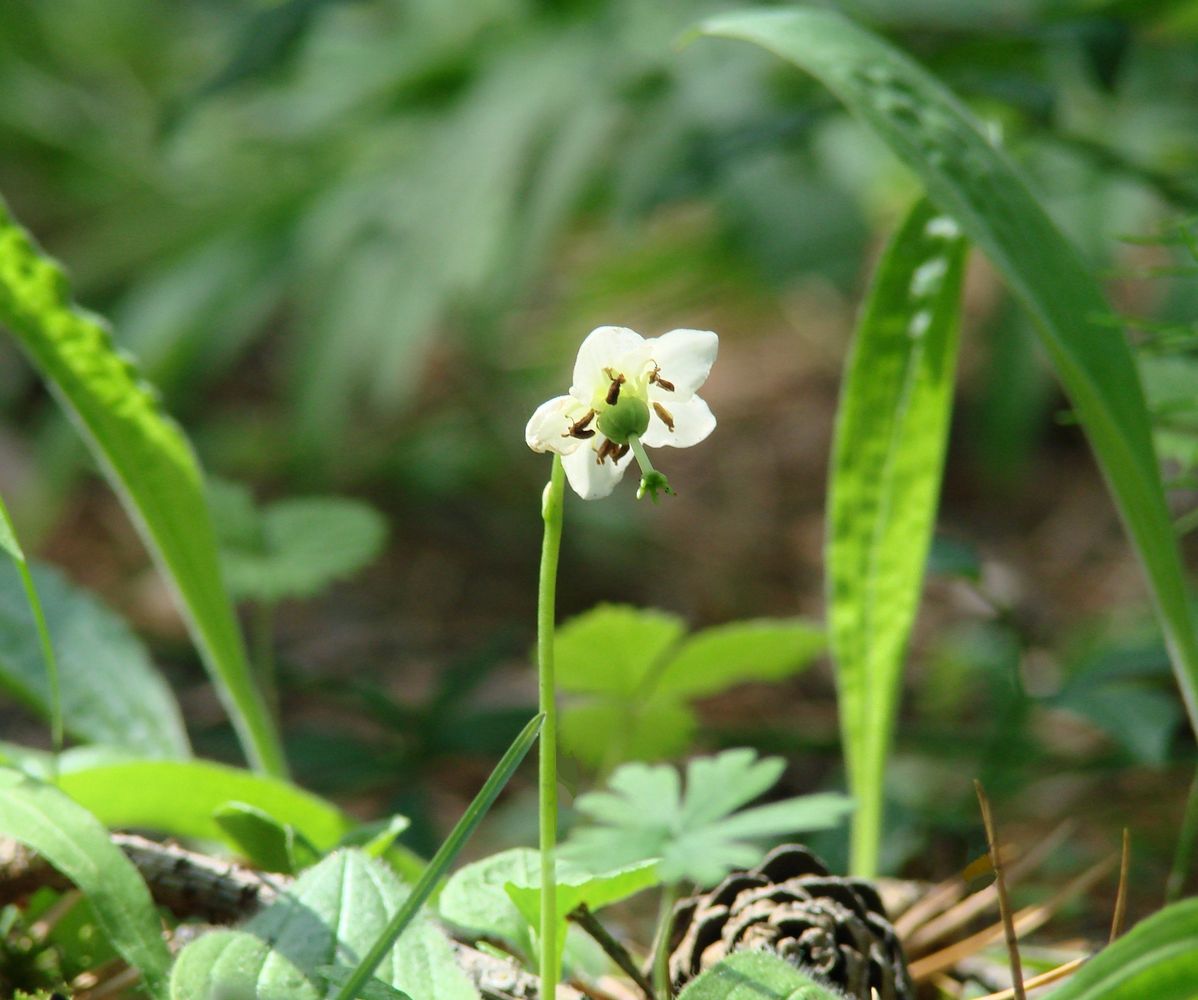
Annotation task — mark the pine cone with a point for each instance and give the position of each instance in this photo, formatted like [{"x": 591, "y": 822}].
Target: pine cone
[{"x": 834, "y": 928}]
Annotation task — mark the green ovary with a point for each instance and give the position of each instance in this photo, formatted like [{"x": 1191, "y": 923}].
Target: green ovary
[{"x": 629, "y": 416}]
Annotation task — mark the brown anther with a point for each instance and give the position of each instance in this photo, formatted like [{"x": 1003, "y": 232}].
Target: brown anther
[
  {"x": 578, "y": 429},
  {"x": 606, "y": 450},
  {"x": 656, "y": 379},
  {"x": 666, "y": 417},
  {"x": 623, "y": 450},
  {"x": 613, "y": 390}
]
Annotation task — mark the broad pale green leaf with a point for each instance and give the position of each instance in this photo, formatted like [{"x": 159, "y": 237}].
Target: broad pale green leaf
[
  {"x": 888, "y": 456},
  {"x": 499, "y": 897},
  {"x": 329, "y": 917},
  {"x": 148, "y": 459},
  {"x": 751, "y": 975},
  {"x": 474, "y": 898},
  {"x": 268, "y": 844},
  {"x": 697, "y": 836},
  {"x": 764, "y": 649},
  {"x": 974, "y": 182},
  {"x": 303, "y": 545},
  {"x": 613, "y": 649},
  {"x": 111, "y": 692},
  {"x": 180, "y": 798},
  {"x": 76, "y": 844},
  {"x": 1157, "y": 958},
  {"x": 605, "y": 732},
  {"x": 577, "y": 887}
]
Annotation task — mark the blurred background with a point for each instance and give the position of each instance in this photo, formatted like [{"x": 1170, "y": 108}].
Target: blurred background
[{"x": 356, "y": 242}]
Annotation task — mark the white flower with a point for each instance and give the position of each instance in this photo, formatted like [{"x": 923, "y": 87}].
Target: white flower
[{"x": 628, "y": 392}]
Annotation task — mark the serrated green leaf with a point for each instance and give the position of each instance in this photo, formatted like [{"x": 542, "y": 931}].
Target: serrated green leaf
[
  {"x": 969, "y": 178},
  {"x": 74, "y": 842},
  {"x": 1157, "y": 958},
  {"x": 763, "y": 649},
  {"x": 604, "y": 732},
  {"x": 329, "y": 917},
  {"x": 111, "y": 692},
  {"x": 474, "y": 898},
  {"x": 752, "y": 975},
  {"x": 304, "y": 545},
  {"x": 613, "y": 648},
  {"x": 180, "y": 798},
  {"x": 698, "y": 837},
  {"x": 149, "y": 462}
]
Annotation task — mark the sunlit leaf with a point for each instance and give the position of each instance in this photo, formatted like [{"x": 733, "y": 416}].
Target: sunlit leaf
[
  {"x": 752, "y": 975},
  {"x": 74, "y": 842},
  {"x": 181, "y": 798},
  {"x": 1157, "y": 958},
  {"x": 974, "y": 182},
  {"x": 612, "y": 648},
  {"x": 763, "y": 649},
  {"x": 329, "y": 917},
  {"x": 148, "y": 459}
]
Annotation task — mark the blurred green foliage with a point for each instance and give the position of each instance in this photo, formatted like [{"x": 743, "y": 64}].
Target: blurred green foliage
[{"x": 350, "y": 208}]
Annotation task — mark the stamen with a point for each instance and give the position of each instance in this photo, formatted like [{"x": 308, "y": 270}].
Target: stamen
[
  {"x": 578, "y": 427},
  {"x": 622, "y": 452},
  {"x": 666, "y": 417},
  {"x": 606, "y": 450},
  {"x": 655, "y": 378},
  {"x": 613, "y": 391}
]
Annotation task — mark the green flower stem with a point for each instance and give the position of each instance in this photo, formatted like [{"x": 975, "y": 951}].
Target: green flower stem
[
  {"x": 661, "y": 957},
  {"x": 552, "y": 504},
  {"x": 642, "y": 457}
]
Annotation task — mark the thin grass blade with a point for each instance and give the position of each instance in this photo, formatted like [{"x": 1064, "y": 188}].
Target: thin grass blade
[{"x": 441, "y": 861}]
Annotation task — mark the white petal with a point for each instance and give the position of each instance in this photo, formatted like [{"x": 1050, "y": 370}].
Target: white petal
[
  {"x": 546, "y": 431},
  {"x": 693, "y": 421},
  {"x": 604, "y": 347},
  {"x": 590, "y": 480},
  {"x": 685, "y": 358}
]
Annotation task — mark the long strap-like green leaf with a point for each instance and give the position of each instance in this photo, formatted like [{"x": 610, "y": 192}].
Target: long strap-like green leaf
[
  {"x": 891, "y": 431},
  {"x": 148, "y": 460},
  {"x": 74, "y": 842},
  {"x": 973, "y": 181}
]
